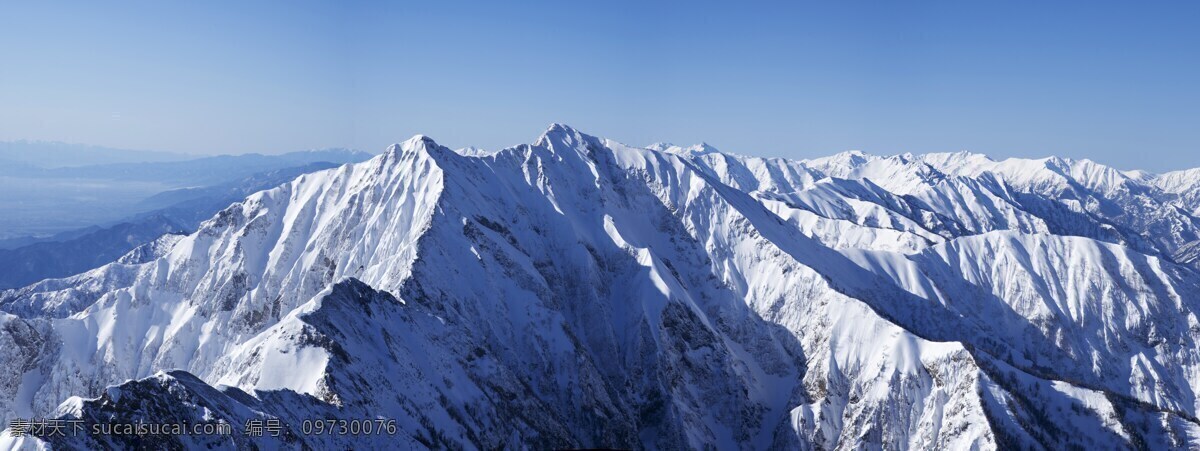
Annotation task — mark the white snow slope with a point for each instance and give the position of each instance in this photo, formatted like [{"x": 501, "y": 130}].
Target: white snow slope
[{"x": 578, "y": 292}]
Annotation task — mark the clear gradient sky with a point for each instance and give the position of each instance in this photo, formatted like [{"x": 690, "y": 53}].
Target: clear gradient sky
[{"x": 1115, "y": 82}]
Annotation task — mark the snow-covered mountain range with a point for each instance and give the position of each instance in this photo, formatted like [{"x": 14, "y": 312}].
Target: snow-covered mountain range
[{"x": 578, "y": 292}]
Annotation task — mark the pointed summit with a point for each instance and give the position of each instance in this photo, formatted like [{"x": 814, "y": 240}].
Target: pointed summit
[
  {"x": 418, "y": 143},
  {"x": 702, "y": 149},
  {"x": 561, "y": 135},
  {"x": 560, "y": 127}
]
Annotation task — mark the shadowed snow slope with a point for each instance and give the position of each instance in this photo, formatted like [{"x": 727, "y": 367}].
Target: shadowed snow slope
[{"x": 578, "y": 292}]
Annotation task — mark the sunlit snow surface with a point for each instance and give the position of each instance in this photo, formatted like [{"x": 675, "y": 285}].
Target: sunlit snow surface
[{"x": 578, "y": 292}]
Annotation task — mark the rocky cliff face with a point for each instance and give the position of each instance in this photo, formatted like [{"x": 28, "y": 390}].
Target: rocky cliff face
[{"x": 577, "y": 292}]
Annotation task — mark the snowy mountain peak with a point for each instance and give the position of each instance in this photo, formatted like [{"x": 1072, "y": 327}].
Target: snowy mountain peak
[
  {"x": 560, "y": 135},
  {"x": 692, "y": 150},
  {"x": 661, "y": 146},
  {"x": 956, "y": 160},
  {"x": 402, "y": 155},
  {"x": 419, "y": 143},
  {"x": 849, "y": 159}
]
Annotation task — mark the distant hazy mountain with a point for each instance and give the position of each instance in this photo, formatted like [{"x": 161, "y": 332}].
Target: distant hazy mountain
[
  {"x": 577, "y": 292},
  {"x": 195, "y": 171},
  {"x": 46, "y": 154},
  {"x": 43, "y": 202},
  {"x": 28, "y": 264},
  {"x": 174, "y": 212}
]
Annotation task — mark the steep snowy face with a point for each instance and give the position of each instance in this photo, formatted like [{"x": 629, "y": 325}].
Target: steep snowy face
[
  {"x": 1146, "y": 213},
  {"x": 1048, "y": 175},
  {"x": 61, "y": 297},
  {"x": 1178, "y": 182},
  {"x": 578, "y": 292},
  {"x": 975, "y": 194},
  {"x": 243, "y": 270},
  {"x": 855, "y": 200},
  {"x": 1099, "y": 315},
  {"x": 1185, "y": 184}
]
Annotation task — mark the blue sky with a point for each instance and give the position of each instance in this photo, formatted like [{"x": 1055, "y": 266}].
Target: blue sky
[{"x": 1115, "y": 82}]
